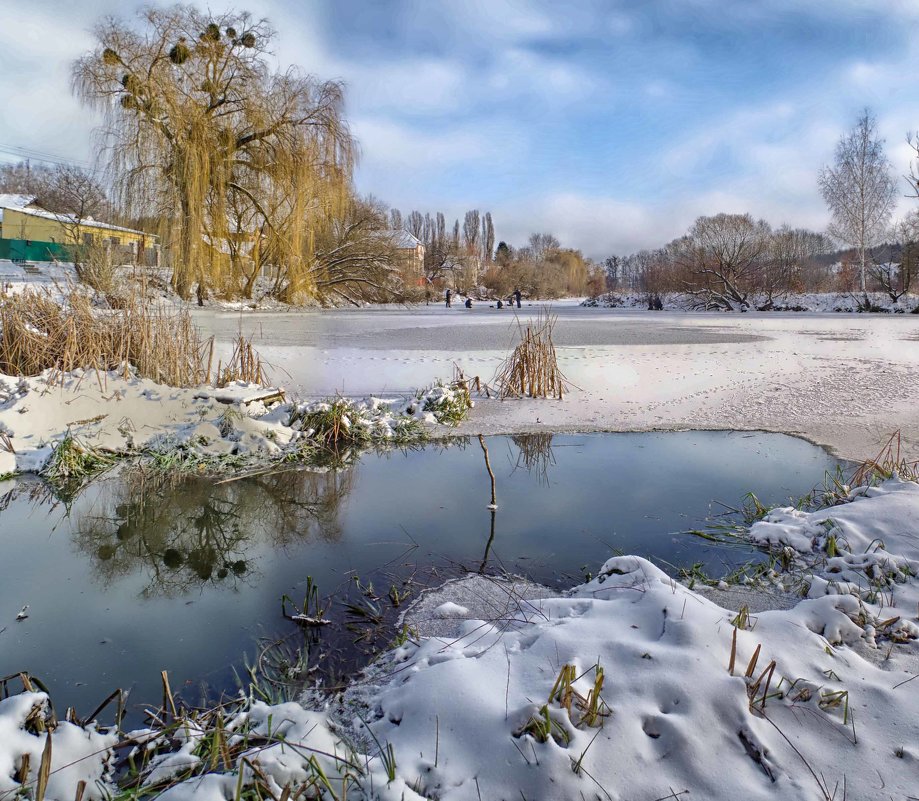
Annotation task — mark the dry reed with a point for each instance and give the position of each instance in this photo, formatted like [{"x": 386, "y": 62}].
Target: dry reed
[
  {"x": 40, "y": 332},
  {"x": 244, "y": 365},
  {"x": 532, "y": 368},
  {"x": 887, "y": 463}
]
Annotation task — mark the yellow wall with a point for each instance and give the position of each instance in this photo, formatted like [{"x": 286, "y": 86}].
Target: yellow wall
[{"x": 17, "y": 225}]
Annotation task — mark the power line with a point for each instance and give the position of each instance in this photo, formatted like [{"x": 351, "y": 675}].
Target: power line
[{"x": 38, "y": 155}]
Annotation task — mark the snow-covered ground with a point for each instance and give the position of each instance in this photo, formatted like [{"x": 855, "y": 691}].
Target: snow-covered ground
[
  {"x": 125, "y": 415},
  {"x": 841, "y": 380},
  {"x": 816, "y": 705},
  {"x": 819, "y": 302},
  {"x": 663, "y": 693}
]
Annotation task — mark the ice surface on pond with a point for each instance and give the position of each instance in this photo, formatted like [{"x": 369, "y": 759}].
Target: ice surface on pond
[{"x": 826, "y": 376}]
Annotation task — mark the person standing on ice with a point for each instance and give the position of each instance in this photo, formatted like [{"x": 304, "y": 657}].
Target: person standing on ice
[
  {"x": 449, "y": 298},
  {"x": 517, "y": 297}
]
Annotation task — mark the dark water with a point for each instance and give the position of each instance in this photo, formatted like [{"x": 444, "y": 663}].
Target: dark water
[{"x": 139, "y": 574}]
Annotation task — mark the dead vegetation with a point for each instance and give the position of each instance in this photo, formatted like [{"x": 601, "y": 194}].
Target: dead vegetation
[
  {"x": 244, "y": 365},
  {"x": 39, "y": 332},
  {"x": 888, "y": 463},
  {"x": 531, "y": 370}
]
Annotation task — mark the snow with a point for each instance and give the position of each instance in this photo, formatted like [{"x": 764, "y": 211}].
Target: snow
[
  {"x": 462, "y": 702},
  {"x": 839, "y": 380},
  {"x": 77, "y": 754},
  {"x": 818, "y": 698},
  {"x": 50, "y": 277},
  {"x": 679, "y": 720},
  {"x": 71, "y": 219},
  {"x": 110, "y": 412},
  {"x": 14, "y": 201},
  {"x": 450, "y": 609},
  {"x": 814, "y": 302}
]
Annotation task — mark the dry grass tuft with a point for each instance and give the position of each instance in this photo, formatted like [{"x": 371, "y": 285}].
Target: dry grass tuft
[
  {"x": 532, "y": 369},
  {"x": 889, "y": 462},
  {"x": 244, "y": 365},
  {"x": 40, "y": 332}
]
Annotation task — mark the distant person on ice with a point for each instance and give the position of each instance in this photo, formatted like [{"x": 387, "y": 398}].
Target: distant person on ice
[
  {"x": 449, "y": 298},
  {"x": 500, "y": 303},
  {"x": 517, "y": 297},
  {"x": 468, "y": 303}
]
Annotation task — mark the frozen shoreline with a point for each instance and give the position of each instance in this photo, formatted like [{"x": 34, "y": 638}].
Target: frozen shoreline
[
  {"x": 841, "y": 381},
  {"x": 632, "y": 685}
]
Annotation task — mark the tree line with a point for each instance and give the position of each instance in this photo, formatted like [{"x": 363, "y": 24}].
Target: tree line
[
  {"x": 244, "y": 170},
  {"x": 732, "y": 261},
  {"x": 464, "y": 257}
]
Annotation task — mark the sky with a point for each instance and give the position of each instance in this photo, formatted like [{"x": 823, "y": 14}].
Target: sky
[{"x": 611, "y": 124}]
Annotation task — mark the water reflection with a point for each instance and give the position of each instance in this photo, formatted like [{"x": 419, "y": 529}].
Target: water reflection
[
  {"x": 535, "y": 455},
  {"x": 188, "y": 531},
  {"x": 140, "y": 573}
]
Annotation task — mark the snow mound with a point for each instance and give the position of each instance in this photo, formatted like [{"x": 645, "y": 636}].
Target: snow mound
[{"x": 111, "y": 413}]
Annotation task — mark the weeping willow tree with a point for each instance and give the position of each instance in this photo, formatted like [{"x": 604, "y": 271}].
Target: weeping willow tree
[{"x": 227, "y": 152}]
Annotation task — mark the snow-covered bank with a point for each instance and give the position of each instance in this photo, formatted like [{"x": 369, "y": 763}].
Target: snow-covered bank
[
  {"x": 108, "y": 413},
  {"x": 817, "y": 302},
  {"x": 630, "y": 686},
  {"x": 816, "y": 700}
]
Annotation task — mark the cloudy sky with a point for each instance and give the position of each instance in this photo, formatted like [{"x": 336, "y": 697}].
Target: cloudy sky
[{"x": 612, "y": 124}]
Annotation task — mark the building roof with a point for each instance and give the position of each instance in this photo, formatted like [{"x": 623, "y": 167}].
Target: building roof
[
  {"x": 67, "y": 219},
  {"x": 405, "y": 240},
  {"x": 14, "y": 201}
]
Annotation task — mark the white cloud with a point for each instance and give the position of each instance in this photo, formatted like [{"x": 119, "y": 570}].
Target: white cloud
[
  {"x": 39, "y": 111},
  {"x": 599, "y": 225},
  {"x": 401, "y": 147}
]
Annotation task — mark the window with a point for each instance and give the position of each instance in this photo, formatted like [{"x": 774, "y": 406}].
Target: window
[
  {"x": 115, "y": 240},
  {"x": 87, "y": 239}
]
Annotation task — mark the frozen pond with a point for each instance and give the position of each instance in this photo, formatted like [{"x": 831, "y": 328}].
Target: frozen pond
[
  {"x": 138, "y": 575},
  {"x": 842, "y": 380}
]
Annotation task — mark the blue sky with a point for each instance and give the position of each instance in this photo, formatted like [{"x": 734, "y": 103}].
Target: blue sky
[{"x": 612, "y": 124}]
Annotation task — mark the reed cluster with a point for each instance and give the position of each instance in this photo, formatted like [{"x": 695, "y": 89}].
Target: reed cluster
[
  {"x": 532, "y": 368},
  {"x": 39, "y": 332}
]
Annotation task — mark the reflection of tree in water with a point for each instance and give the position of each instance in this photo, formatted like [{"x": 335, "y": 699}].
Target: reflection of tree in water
[
  {"x": 535, "y": 455},
  {"x": 188, "y": 531}
]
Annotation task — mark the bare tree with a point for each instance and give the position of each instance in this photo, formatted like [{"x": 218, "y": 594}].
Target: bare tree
[
  {"x": 613, "y": 269},
  {"x": 194, "y": 112},
  {"x": 859, "y": 190},
  {"x": 356, "y": 257},
  {"x": 541, "y": 244},
  {"x": 724, "y": 253},
  {"x": 792, "y": 253},
  {"x": 471, "y": 231},
  {"x": 62, "y": 188},
  {"x": 897, "y": 268},
  {"x": 488, "y": 238},
  {"x": 440, "y": 227},
  {"x": 77, "y": 197},
  {"x": 443, "y": 257},
  {"x": 414, "y": 224}
]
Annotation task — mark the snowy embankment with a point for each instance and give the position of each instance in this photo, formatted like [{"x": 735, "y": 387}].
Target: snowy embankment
[
  {"x": 630, "y": 686},
  {"x": 819, "y": 302},
  {"x": 108, "y": 414}
]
